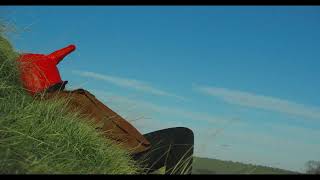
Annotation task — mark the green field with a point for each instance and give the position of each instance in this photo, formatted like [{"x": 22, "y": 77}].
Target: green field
[{"x": 214, "y": 166}]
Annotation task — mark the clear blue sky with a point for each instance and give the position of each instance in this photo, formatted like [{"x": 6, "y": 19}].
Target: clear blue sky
[{"x": 245, "y": 79}]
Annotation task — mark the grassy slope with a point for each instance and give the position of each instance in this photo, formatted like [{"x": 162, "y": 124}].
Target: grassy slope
[
  {"x": 214, "y": 166},
  {"x": 41, "y": 137}
]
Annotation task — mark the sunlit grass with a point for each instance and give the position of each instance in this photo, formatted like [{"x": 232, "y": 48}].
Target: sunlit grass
[{"x": 42, "y": 137}]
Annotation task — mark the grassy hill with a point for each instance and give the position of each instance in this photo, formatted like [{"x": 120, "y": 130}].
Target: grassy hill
[
  {"x": 215, "y": 166},
  {"x": 41, "y": 137}
]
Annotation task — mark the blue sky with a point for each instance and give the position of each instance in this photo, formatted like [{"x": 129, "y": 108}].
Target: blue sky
[{"x": 245, "y": 79}]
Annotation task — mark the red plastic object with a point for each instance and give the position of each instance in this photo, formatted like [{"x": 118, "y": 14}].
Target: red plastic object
[{"x": 38, "y": 71}]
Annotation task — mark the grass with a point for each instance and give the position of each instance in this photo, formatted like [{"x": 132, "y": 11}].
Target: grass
[{"x": 40, "y": 137}]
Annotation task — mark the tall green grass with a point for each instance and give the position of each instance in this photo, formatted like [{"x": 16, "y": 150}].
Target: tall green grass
[{"x": 42, "y": 137}]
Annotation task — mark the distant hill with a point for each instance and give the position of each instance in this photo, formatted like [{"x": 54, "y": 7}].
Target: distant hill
[{"x": 215, "y": 166}]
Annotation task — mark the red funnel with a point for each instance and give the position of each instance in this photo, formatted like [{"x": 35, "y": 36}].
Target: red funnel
[{"x": 39, "y": 72}]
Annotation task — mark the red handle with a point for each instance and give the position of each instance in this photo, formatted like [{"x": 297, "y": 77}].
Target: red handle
[{"x": 58, "y": 55}]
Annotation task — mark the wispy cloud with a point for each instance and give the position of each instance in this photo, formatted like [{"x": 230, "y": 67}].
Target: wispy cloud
[
  {"x": 153, "y": 116},
  {"x": 260, "y": 101},
  {"x": 148, "y": 106},
  {"x": 128, "y": 83}
]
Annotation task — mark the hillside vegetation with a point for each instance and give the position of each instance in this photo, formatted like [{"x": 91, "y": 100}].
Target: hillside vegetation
[
  {"x": 215, "y": 166},
  {"x": 41, "y": 137}
]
